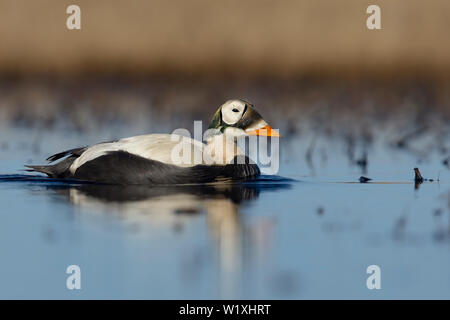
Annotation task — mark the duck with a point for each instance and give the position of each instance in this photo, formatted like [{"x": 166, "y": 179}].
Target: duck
[{"x": 166, "y": 159}]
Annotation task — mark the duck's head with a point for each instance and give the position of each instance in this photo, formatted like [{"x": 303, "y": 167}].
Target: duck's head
[{"x": 238, "y": 118}]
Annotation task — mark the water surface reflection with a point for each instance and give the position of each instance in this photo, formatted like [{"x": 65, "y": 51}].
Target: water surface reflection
[{"x": 171, "y": 207}]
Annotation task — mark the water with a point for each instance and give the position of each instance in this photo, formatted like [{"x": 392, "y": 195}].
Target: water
[{"x": 310, "y": 232}]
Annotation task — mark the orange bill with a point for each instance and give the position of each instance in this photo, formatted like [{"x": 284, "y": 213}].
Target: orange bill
[{"x": 265, "y": 131}]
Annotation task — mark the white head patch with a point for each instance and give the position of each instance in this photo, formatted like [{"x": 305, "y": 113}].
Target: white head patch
[{"x": 232, "y": 111}]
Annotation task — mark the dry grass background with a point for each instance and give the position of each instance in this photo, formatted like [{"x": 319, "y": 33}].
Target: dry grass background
[
  {"x": 252, "y": 37},
  {"x": 311, "y": 67},
  {"x": 279, "y": 54}
]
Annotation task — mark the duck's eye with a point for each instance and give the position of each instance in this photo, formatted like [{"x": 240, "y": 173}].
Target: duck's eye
[{"x": 235, "y": 110}]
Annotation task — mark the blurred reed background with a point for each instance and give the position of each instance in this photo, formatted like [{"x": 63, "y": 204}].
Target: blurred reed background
[
  {"x": 171, "y": 62},
  {"x": 239, "y": 38}
]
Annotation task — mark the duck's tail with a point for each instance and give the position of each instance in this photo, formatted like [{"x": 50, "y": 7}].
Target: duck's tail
[
  {"x": 43, "y": 169},
  {"x": 58, "y": 170}
]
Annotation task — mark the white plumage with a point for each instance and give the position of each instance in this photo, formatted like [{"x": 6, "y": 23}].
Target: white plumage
[{"x": 151, "y": 146}]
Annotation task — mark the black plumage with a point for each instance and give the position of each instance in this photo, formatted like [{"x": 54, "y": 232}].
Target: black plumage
[{"x": 120, "y": 167}]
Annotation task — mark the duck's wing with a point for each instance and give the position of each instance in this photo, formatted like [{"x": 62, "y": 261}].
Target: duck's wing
[{"x": 72, "y": 152}]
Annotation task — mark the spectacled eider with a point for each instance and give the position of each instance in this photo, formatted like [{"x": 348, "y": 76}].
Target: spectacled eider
[{"x": 149, "y": 159}]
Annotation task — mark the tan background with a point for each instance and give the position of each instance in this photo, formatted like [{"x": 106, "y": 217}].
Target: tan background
[{"x": 263, "y": 37}]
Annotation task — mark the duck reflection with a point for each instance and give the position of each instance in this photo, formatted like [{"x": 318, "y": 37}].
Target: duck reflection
[
  {"x": 165, "y": 205},
  {"x": 172, "y": 206}
]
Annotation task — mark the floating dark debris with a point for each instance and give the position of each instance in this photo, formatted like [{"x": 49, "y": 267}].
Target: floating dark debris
[
  {"x": 418, "y": 179},
  {"x": 418, "y": 176},
  {"x": 363, "y": 179}
]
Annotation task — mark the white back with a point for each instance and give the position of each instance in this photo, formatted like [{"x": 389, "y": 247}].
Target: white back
[{"x": 152, "y": 146}]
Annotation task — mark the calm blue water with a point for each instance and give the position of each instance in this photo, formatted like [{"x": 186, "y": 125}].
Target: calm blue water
[{"x": 309, "y": 232}]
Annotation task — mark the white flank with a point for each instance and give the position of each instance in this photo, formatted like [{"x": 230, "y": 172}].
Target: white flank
[{"x": 152, "y": 146}]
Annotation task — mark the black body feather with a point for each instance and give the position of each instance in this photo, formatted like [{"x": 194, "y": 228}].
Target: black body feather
[
  {"x": 73, "y": 152},
  {"x": 120, "y": 167}
]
